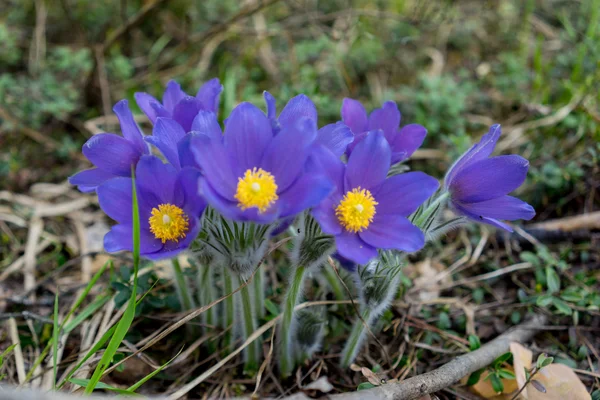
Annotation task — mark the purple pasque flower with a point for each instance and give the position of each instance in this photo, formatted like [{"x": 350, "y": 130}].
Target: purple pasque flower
[
  {"x": 111, "y": 154},
  {"x": 403, "y": 141},
  {"x": 478, "y": 185},
  {"x": 253, "y": 174},
  {"x": 177, "y": 105},
  {"x": 169, "y": 209},
  {"x": 366, "y": 211},
  {"x": 336, "y": 137}
]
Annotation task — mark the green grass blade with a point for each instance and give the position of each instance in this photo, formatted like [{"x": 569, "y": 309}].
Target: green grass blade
[
  {"x": 127, "y": 319},
  {"x": 87, "y": 312},
  {"x": 145, "y": 379},
  {"x": 100, "y": 385},
  {"x": 55, "y": 332}
]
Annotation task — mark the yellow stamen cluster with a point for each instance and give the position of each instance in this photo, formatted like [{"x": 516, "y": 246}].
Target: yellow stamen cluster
[
  {"x": 256, "y": 189},
  {"x": 168, "y": 222},
  {"x": 356, "y": 210}
]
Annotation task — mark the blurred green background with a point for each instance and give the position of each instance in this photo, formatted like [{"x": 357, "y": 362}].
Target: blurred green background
[{"x": 454, "y": 66}]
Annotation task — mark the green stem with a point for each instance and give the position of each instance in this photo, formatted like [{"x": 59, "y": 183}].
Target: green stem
[
  {"x": 252, "y": 352},
  {"x": 334, "y": 283},
  {"x": 229, "y": 308},
  {"x": 356, "y": 339},
  {"x": 287, "y": 322},
  {"x": 258, "y": 285},
  {"x": 206, "y": 294},
  {"x": 183, "y": 291}
]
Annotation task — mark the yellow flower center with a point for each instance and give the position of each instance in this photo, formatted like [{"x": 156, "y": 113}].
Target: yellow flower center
[
  {"x": 356, "y": 210},
  {"x": 256, "y": 189},
  {"x": 168, "y": 222}
]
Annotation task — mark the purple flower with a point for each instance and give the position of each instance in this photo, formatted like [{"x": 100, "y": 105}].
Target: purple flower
[
  {"x": 111, "y": 154},
  {"x": 366, "y": 211},
  {"x": 177, "y": 105},
  {"x": 169, "y": 209},
  {"x": 479, "y": 185},
  {"x": 336, "y": 137},
  {"x": 251, "y": 173},
  {"x": 403, "y": 142}
]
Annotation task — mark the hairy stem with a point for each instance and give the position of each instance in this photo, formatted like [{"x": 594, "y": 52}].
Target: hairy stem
[
  {"x": 355, "y": 340},
  {"x": 206, "y": 294},
  {"x": 334, "y": 283},
  {"x": 252, "y": 352},
  {"x": 258, "y": 285},
  {"x": 181, "y": 286},
  {"x": 228, "y": 309},
  {"x": 292, "y": 298}
]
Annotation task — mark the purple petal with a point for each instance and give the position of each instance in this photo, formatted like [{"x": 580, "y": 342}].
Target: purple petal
[
  {"x": 489, "y": 178},
  {"x": 165, "y": 136},
  {"x": 324, "y": 213},
  {"x": 403, "y": 194},
  {"x": 120, "y": 237},
  {"x": 358, "y": 137},
  {"x": 144, "y": 102},
  {"x": 154, "y": 176},
  {"x": 406, "y": 141},
  {"x": 89, "y": 179},
  {"x": 213, "y": 159},
  {"x": 206, "y": 122},
  {"x": 353, "y": 248},
  {"x": 386, "y": 118},
  {"x": 270, "y": 102},
  {"x": 386, "y": 232},
  {"x": 130, "y": 129},
  {"x": 173, "y": 95},
  {"x": 478, "y": 152},
  {"x": 479, "y": 218},
  {"x": 287, "y": 153},
  {"x": 354, "y": 115},
  {"x": 369, "y": 163},
  {"x": 505, "y": 207},
  {"x": 298, "y": 107},
  {"x": 326, "y": 162},
  {"x": 115, "y": 199},
  {"x": 335, "y": 137},
  {"x": 185, "y": 111},
  {"x": 193, "y": 203},
  {"x": 184, "y": 149},
  {"x": 308, "y": 191},
  {"x": 112, "y": 153},
  {"x": 209, "y": 95},
  {"x": 247, "y": 135}
]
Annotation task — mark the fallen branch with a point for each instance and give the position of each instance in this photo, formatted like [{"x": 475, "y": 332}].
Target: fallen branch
[{"x": 448, "y": 374}]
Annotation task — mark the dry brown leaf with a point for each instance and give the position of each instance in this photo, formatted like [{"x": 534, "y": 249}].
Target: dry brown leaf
[
  {"x": 371, "y": 376},
  {"x": 522, "y": 358},
  {"x": 484, "y": 387},
  {"x": 560, "y": 382}
]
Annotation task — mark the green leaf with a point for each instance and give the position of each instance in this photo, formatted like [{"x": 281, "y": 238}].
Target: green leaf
[
  {"x": 365, "y": 385},
  {"x": 561, "y": 306},
  {"x": 145, "y": 379},
  {"x": 474, "y": 377},
  {"x": 502, "y": 359},
  {"x": 544, "y": 300},
  {"x": 127, "y": 319},
  {"x": 497, "y": 384},
  {"x": 506, "y": 374},
  {"x": 87, "y": 312},
  {"x": 271, "y": 307},
  {"x": 552, "y": 280},
  {"x": 543, "y": 361},
  {"x": 474, "y": 342},
  {"x": 528, "y": 256},
  {"x": 596, "y": 394}
]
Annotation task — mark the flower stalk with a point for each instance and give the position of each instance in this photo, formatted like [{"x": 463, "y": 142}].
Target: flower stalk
[
  {"x": 357, "y": 337},
  {"x": 181, "y": 286},
  {"x": 288, "y": 322},
  {"x": 207, "y": 293},
  {"x": 252, "y": 352},
  {"x": 228, "y": 308}
]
